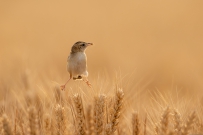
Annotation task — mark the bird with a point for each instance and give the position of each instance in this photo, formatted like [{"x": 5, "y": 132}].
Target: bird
[{"x": 77, "y": 63}]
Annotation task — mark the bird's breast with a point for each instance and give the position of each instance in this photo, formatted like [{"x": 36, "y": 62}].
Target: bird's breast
[
  {"x": 77, "y": 63},
  {"x": 80, "y": 56}
]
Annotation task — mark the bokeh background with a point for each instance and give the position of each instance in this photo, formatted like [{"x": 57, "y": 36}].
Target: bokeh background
[{"x": 158, "y": 44}]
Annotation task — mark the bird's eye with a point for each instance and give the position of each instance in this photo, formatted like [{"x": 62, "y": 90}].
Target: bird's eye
[{"x": 83, "y": 45}]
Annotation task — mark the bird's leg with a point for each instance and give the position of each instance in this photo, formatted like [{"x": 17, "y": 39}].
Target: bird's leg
[
  {"x": 63, "y": 86},
  {"x": 87, "y": 82}
]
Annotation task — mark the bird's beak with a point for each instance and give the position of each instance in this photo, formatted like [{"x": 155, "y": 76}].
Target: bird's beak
[{"x": 88, "y": 44}]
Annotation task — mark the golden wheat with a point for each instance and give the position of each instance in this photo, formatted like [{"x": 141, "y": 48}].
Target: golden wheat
[
  {"x": 33, "y": 121},
  {"x": 114, "y": 120},
  {"x": 135, "y": 124},
  {"x": 90, "y": 121},
  {"x": 189, "y": 123},
  {"x": 6, "y": 125},
  {"x": 47, "y": 124},
  {"x": 164, "y": 122},
  {"x": 99, "y": 114},
  {"x": 80, "y": 116},
  {"x": 178, "y": 123},
  {"x": 93, "y": 118},
  {"x": 60, "y": 120}
]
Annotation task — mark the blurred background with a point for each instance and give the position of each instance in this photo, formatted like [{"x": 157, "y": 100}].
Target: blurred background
[{"x": 156, "y": 43}]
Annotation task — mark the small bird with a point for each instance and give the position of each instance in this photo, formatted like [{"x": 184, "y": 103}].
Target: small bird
[{"x": 77, "y": 63}]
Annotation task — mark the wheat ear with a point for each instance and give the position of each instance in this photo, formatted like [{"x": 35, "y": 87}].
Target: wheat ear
[
  {"x": 165, "y": 121},
  {"x": 80, "y": 117},
  {"x": 90, "y": 121},
  {"x": 47, "y": 124},
  {"x": 21, "y": 124},
  {"x": 135, "y": 124},
  {"x": 189, "y": 124},
  {"x": 156, "y": 129},
  {"x": 33, "y": 121},
  {"x": 6, "y": 125},
  {"x": 99, "y": 114},
  {"x": 178, "y": 122},
  {"x": 60, "y": 120},
  {"x": 112, "y": 126}
]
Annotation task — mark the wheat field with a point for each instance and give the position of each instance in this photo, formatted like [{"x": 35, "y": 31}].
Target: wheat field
[{"x": 145, "y": 67}]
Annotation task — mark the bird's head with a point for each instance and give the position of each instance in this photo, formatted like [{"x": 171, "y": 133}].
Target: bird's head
[{"x": 80, "y": 46}]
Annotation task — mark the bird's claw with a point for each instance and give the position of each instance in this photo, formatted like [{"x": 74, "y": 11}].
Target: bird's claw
[
  {"x": 89, "y": 84},
  {"x": 62, "y": 87}
]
